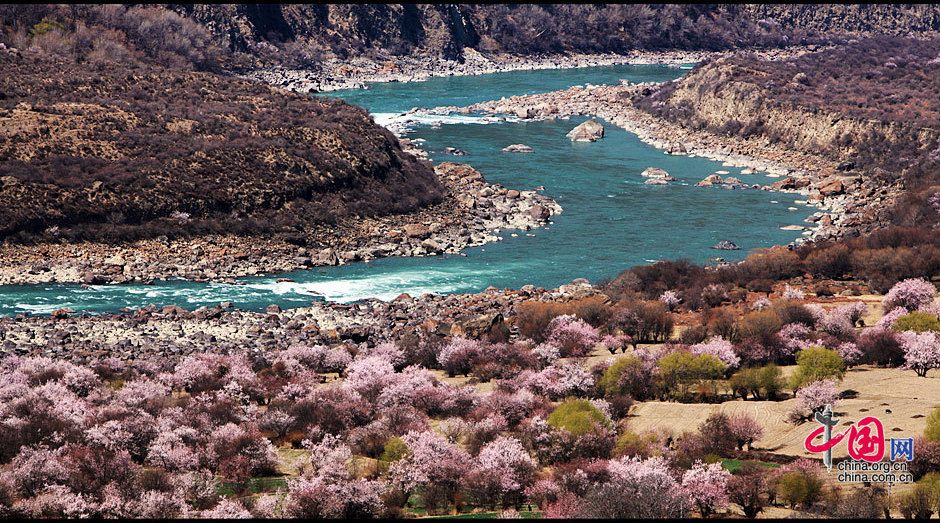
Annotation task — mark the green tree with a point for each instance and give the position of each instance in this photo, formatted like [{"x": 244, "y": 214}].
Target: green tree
[
  {"x": 917, "y": 321},
  {"x": 611, "y": 383},
  {"x": 816, "y": 363},
  {"x": 680, "y": 370},
  {"x": 923, "y": 500},
  {"x": 395, "y": 449},
  {"x": 577, "y": 417},
  {"x": 46, "y": 25},
  {"x": 932, "y": 432},
  {"x": 799, "y": 488},
  {"x": 757, "y": 381},
  {"x": 770, "y": 381}
]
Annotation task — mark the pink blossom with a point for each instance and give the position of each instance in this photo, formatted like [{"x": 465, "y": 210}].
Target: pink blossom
[
  {"x": 745, "y": 429},
  {"x": 328, "y": 458},
  {"x": 171, "y": 452},
  {"x": 407, "y": 388},
  {"x": 817, "y": 311},
  {"x": 707, "y": 486},
  {"x": 836, "y": 322},
  {"x": 56, "y": 501},
  {"x": 561, "y": 380},
  {"x": 389, "y": 351},
  {"x": 886, "y": 322},
  {"x": 266, "y": 507},
  {"x": 760, "y": 303},
  {"x": 638, "y": 488},
  {"x": 542, "y": 492},
  {"x": 566, "y": 506},
  {"x": 546, "y": 353},
  {"x": 719, "y": 348},
  {"x": 854, "y": 311},
  {"x": 613, "y": 343},
  {"x": 242, "y": 447},
  {"x": 368, "y": 376},
  {"x": 227, "y": 509},
  {"x": 111, "y": 435},
  {"x": 603, "y": 406},
  {"x": 81, "y": 380},
  {"x": 140, "y": 392},
  {"x": 197, "y": 370},
  {"x": 431, "y": 460},
  {"x": 849, "y": 352},
  {"x": 318, "y": 498},
  {"x": 816, "y": 395},
  {"x": 794, "y": 337},
  {"x": 507, "y": 462},
  {"x": 910, "y": 294},
  {"x": 572, "y": 336},
  {"x": 459, "y": 355},
  {"x": 37, "y": 467},
  {"x": 671, "y": 299},
  {"x": 792, "y": 293},
  {"x": 921, "y": 351},
  {"x": 155, "y": 504}
]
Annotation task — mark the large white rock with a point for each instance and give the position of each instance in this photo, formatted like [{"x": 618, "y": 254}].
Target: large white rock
[
  {"x": 589, "y": 131},
  {"x": 655, "y": 172}
]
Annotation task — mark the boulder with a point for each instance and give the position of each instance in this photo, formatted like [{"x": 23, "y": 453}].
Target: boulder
[
  {"x": 539, "y": 212},
  {"x": 417, "y": 230},
  {"x": 518, "y": 148},
  {"x": 786, "y": 183},
  {"x": 676, "y": 148},
  {"x": 272, "y": 309},
  {"x": 831, "y": 188},
  {"x": 589, "y": 131},
  {"x": 61, "y": 314},
  {"x": 478, "y": 325},
  {"x": 731, "y": 180},
  {"x": 524, "y": 112},
  {"x": 432, "y": 246},
  {"x": 655, "y": 172},
  {"x": 725, "y": 245},
  {"x": 656, "y": 181},
  {"x": 403, "y": 298},
  {"x": 712, "y": 179},
  {"x": 173, "y": 310}
]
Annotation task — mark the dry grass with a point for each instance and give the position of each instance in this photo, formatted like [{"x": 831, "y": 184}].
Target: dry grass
[{"x": 899, "y": 398}]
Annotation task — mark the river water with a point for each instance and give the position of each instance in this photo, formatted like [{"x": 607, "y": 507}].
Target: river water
[{"x": 611, "y": 219}]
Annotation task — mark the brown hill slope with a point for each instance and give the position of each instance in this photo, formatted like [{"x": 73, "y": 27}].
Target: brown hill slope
[
  {"x": 873, "y": 105},
  {"x": 96, "y": 151},
  {"x": 302, "y": 35}
]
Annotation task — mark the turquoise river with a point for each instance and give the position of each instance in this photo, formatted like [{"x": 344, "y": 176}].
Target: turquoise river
[{"x": 611, "y": 220}]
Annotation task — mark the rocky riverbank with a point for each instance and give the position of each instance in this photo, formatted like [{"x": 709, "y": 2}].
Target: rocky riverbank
[
  {"x": 153, "y": 335},
  {"x": 849, "y": 203},
  {"x": 473, "y": 213},
  {"x": 357, "y": 72}
]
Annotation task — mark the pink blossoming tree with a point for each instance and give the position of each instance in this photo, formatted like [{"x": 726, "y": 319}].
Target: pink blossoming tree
[
  {"x": 707, "y": 486},
  {"x": 921, "y": 351}
]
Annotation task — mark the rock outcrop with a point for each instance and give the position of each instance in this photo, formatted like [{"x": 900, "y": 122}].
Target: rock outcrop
[
  {"x": 725, "y": 245},
  {"x": 655, "y": 172},
  {"x": 589, "y": 131}
]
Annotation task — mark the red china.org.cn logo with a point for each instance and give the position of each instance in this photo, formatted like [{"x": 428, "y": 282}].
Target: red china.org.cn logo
[{"x": 865, "y": 442}]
